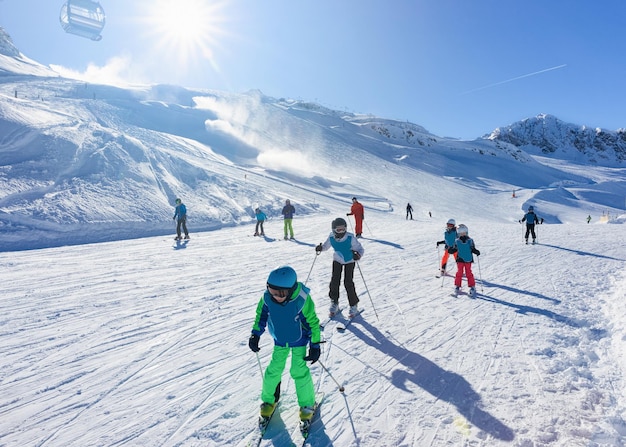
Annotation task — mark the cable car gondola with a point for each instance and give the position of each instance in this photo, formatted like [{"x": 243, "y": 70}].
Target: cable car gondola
[{"x": 83, "y": 18}]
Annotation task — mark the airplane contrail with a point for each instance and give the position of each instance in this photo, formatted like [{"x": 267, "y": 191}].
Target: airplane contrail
[{"x": 514, "y": 79}]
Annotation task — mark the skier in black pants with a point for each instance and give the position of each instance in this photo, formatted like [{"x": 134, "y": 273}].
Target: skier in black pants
[
  {"x": 531, "y": 219},
  {"x": 181, "y": 214},
  {"x": 409, "y": 211},
  {"x": 348, "y": 250}
]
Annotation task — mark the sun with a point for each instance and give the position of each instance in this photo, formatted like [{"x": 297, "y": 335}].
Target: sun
[{"x": 185, "y": 30}]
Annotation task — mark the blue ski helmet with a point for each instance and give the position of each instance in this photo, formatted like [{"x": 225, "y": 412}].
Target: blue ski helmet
[
  {"x": 531, "y": 208},
  {"x": 282, "y": 278},
  {"x": 179, "y": 201}
]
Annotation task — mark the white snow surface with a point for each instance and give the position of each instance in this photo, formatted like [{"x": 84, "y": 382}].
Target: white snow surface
[
  {"x": 144, "y": 342},
  {"x": 141, "y": 341}
]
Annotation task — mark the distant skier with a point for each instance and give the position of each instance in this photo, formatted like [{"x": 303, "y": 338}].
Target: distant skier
[
  {"x": 589, "y": 218},
  {"x": 348, "y": 250},
  {"x": 181, "y": 213},
  {"x": 260, "y": 219},
  {"x": 409, "y": 211},
  {"x": 531, "y": 220},
  {"x": 464, "y": 247},
  {"x": 288, "y": 312},
  {"x": 358, "y": 212},
  {"x": 449, "y": 238},
  {"x": 288, "y": 212}
]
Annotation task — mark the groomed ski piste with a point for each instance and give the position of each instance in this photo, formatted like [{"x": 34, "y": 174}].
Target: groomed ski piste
[{"x": 136, "y": 343}]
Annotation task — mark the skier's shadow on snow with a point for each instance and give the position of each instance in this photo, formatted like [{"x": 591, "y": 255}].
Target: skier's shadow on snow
[
  {"x": 398, "y": 246},
  {"x": 440, "y": 383},
  {"x": 520, "y": 291},
  {"x": 524, "y": 310},
  {"x": 582, "y": 253},
  {"x": 180, "y": 245}
]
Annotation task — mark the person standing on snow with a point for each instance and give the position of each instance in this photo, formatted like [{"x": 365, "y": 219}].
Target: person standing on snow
[
  {"x": 260, "y": 218},
  {"x": 358, "y": 212},
  {"x": 288, "y": 312},
  {"x": 181, "y": 213},
  {"x": 589, "y": 218},
  {"x": 348, "y": 250},
  {"x": 464, "y": 247},
  {"x": 531, "y": 220},
  {"x": 288, "y": 212},
  {"x": 409, "y": 211},
  {"x": 449, "y": 238}
]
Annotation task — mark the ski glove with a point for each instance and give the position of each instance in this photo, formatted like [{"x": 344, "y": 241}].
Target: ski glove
[
  {"x": 314, "y": 353},
  {"x": 476, "y": 252},
  {"x": 318, "y": 249},
  {"x": 253, "y": 343},
  {"x": 452, "y": 250},
  {"x": 356, "y": 255}
]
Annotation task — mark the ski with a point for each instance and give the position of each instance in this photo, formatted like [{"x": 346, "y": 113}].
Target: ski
[
  {"x": 341, "y": 327},
  {"x": 300, "y": 437},
  {"x": 261, "y": 429},
  {"x": 329, "y": 319}
]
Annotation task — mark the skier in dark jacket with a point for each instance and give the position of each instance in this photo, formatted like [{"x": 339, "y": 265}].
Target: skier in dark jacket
[{"x": 531, "y": 220}]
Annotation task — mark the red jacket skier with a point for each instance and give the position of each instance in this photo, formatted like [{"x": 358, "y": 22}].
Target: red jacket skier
[{"x": 357, "y": 211}]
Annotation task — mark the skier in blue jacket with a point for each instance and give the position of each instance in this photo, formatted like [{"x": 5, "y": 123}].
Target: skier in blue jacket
[
  {"x": 288, "y": 312},
  {"x": 181, "y": 213},
  {"x": 260, "y": 218},
  {"x": 348, "y": 250},
  {"x": 531, "y": 220},
  {"x": 449, "y": 238},
  {"x": 464, "y": 247}
]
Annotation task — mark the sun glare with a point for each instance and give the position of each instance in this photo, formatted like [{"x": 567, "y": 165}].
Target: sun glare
[{"x": 185, "y": 30}]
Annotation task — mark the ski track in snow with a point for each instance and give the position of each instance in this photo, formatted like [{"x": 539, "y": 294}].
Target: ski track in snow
[{"x": 144, "y": 342}]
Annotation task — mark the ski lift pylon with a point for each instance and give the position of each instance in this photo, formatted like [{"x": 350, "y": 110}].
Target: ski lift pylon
[{"x": 83, "y": 18}]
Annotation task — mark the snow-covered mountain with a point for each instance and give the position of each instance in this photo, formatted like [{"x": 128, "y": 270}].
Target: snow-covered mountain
[
  {"x": 549, "y": 136},
  {"x": 77, "y": 157}
]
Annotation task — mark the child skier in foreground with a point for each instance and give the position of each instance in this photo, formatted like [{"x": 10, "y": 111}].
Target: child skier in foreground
[
  {"x": 288, "y": 311},
  {"x": 464, "y": 247}
]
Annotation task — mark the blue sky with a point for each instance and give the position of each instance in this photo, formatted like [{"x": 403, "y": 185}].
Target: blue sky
[{"x": 458, "y": 68}]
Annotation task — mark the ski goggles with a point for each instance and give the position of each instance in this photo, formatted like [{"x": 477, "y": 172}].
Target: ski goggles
[
  {"x": 279, "y": 294},
  {"x": 340, "y": 230}
]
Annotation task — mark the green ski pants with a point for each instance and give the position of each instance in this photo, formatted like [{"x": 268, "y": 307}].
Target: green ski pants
[{"x": 299, "y": 372}]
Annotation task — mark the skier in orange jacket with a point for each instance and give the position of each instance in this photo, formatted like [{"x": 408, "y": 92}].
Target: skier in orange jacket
[{"x": 357, "y": 211}]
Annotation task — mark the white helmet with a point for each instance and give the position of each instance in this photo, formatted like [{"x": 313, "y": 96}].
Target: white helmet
[
  {"x": 451, "y": 222},
  {"x": 462, "y": 230}
]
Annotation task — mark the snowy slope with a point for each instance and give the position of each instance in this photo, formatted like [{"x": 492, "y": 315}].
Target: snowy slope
[{"x": 144, "y": 342}]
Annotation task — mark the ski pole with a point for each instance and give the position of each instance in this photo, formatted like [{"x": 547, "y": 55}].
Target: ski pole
[
  {"x": 368, "y": 228},
  {"x": 480, "y": 276},
  {"x": 341, "y": 388},
  {"x": 314, "y": 259},
  {"x": 258, "y": 360},
  {"x": 367, "y": 290}
]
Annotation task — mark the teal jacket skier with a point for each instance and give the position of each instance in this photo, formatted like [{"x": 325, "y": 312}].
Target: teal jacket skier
[
  {"x": 288, "y": 312},
  {"x": 464, "y": 247},
  {"x": 260, "y": 219},
  {"x": 181, "y": 213}
]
